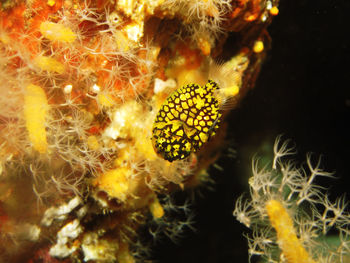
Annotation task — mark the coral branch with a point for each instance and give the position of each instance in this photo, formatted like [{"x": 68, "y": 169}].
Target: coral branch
[{"x": 287, "y": 239}]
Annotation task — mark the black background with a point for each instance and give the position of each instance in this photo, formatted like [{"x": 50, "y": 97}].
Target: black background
[{"x": 303, "y": 93}]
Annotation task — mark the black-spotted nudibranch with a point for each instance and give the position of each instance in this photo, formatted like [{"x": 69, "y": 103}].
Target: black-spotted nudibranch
[{"x": 188, "y": 118}]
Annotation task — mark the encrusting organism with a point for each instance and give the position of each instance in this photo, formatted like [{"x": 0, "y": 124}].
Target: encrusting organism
[
  {"x": 35, "y": 112},
  {"x": 290, "y": 216},
  {"x": 57, "y": 32},
  {"x": 108, "y": 108},
  {"x": 288, "y": 241}
]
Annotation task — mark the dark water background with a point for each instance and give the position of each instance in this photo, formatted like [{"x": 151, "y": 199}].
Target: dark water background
[{"x": 303, "y": 91}]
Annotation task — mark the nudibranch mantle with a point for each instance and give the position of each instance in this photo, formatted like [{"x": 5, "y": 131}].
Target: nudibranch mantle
[{"x": 188, "y": 118}]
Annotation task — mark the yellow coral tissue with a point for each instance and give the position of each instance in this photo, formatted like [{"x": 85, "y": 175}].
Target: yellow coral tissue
[{"x": 35, "y": 111}]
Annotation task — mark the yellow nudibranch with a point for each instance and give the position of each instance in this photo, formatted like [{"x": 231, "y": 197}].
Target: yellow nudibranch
[{"x": 188, "y": 118}]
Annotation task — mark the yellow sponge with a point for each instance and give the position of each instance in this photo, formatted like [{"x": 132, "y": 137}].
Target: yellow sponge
[
  {"x": 35, "y": 111},
  {"x": 57, "y": 32},
  {"x": 288, "y": 241}
]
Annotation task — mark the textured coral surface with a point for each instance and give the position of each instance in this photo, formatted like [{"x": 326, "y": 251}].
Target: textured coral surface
[{"x": 82, "y": 83}]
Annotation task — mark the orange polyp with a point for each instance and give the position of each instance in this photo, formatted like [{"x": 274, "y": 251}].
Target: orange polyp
[
  {"x": 213, "y": 11},
  {"x": 254, "y": 11},
  {"x": 250, "y": 18},
  {"x": 235, "y": 12},
  {"x": 193, "y": 57},
  {"x": 274, "y": 11},
  {"x": 13, "y": 20},
  {"x": 204, "y": 46}
]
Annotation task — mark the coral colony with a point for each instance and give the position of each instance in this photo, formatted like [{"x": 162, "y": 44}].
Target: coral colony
[
  {"x": 290, "y": 215},
  {"x": 108, "y": 107}
]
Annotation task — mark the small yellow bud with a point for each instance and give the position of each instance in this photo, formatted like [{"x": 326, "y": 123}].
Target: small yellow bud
[
  {"x": 93, "y": 143},
  {"x": 57, "y": 32},
  {"x": 274, "y": 11},
  {"x": 51, "y": 2},
  {"x": 156, "y": 209},
  {"x": 258, "y": 46},
  {"x": 105, "y": 100},
  {"x": 49, "y": 64}
]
